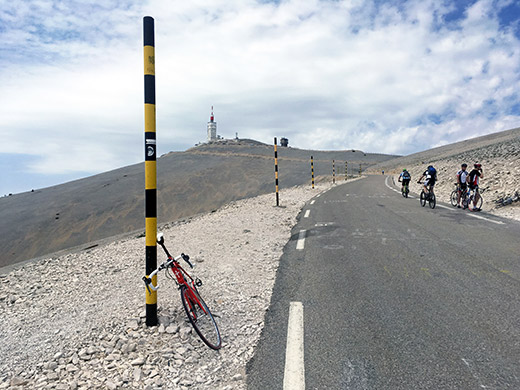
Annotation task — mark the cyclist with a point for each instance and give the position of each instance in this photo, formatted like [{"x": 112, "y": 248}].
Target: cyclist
[
  {"x": 431, "y": 177},
  {"x": 405, "y": 178},
  {"x": 462, "y": 186},
  {"x": 473, "y": 180}
]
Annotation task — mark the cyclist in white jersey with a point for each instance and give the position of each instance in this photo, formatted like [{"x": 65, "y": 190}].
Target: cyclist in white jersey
[{"x": 462, "y": 175}]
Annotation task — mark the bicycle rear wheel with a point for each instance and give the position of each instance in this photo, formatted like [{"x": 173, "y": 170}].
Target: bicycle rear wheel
[
  {"x": 422, "y": 198},
  {"x": 480, "y": 201},
  {"x": 454, "y": 197},
  {"x": 432, "y": 201},
  {"x": 200, "y": 317}
]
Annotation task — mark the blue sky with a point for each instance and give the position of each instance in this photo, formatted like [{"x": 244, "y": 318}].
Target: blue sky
[{"x": 382, "y": 76}]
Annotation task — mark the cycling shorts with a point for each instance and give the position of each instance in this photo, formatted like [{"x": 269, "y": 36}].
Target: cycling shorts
[
  {"x": 429, "y": 182},
  {"x": 463, "y": 186},
  {"x": 406, "y": 182}
]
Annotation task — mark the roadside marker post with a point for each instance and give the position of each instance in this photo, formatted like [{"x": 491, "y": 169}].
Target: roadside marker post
[
  {"x": 312, "y": 172},
  {"x": 360, "y": 169},
  {"x": 333, "y": 173},
  {"x": 346, "y": 170},
  {"x": 150, "y": 163},
  {"x": 276, "y": 172}
]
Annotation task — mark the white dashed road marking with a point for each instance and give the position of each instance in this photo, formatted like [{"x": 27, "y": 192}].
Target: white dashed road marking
[
  {"x": 301, "y": 240},
  {"x": 312, "y": 201},
  {"x": 294, "y": 375},
  {"x": 307, "y": 214}
]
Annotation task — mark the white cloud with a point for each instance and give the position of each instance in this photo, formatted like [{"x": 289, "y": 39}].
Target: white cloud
[{"x": 327, "y": 74}]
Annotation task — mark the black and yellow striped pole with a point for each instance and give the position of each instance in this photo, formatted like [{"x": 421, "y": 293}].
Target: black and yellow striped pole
[
  {"x": 276, "y": 172},
  {"x": 346, "y": 170},
  {"x": 312, "y": 172},
  {"x": 150, "y": 162},
  {"x": 333, "y": 173}
]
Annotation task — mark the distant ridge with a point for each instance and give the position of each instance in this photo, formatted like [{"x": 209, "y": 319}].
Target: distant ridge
[{"x": 199, "y": 180}]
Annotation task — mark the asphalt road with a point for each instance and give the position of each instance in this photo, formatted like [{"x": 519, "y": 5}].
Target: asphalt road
[{"x": 396, "y": 296}]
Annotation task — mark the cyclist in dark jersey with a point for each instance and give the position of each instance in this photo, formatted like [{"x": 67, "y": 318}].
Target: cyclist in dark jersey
[
  {"x": 473, "y": 181},
  {"x": 431, "y": 177}
]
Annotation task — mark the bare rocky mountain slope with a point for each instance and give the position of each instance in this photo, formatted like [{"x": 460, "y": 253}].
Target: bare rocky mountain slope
[
  {"x": 199, "y": 180},
  {"x": 499, "y": 155}
]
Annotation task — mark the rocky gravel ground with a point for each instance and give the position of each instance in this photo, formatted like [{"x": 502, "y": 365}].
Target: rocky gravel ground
[{"x": 77, "y": 321}]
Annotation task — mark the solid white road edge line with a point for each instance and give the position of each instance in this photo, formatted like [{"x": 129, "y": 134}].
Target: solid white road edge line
[
  {"x": 307, "y": 214},
  {"x": 486, "y": 219},
  {"x": 393, "y": 189},
  {"x": 294, "y": 375},
  {"x": 301, "y": 240}
]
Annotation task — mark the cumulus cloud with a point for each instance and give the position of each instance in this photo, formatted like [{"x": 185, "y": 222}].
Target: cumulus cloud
[{"x": 389, "y": 77}]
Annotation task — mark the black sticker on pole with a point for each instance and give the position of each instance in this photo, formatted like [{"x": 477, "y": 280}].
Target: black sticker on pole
[{"x": 149, "y": 146}]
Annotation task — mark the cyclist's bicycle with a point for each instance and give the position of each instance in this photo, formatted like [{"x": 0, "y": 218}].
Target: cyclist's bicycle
[
  {"x": 405, "y": 190},
  {"x": 468, "y": 200},
  {"x": 455, "y": 195},
  {"x": 427, "y": 197},
  {"x": 196, "y": 309}
]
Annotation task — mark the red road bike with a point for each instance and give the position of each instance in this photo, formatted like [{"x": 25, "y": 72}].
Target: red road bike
[{"x": 196, "y": 309}]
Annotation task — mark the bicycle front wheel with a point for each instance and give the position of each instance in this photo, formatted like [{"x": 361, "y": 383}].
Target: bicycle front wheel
[
  {"x": 479, "y": 202},
  {"x": 422, "y": 198},
  {"x": 432, "y": 202},
  {"x": 454, "y": 198},
  {"x": 200, "y": 317},
  {"x": 465, "y": 200}
]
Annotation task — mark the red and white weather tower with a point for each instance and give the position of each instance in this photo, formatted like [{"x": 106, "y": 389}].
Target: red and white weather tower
[{"x": 212, "y": 127}]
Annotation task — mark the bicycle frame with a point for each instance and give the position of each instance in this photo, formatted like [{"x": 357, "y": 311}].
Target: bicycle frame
[
  {"x": 181, "y": 274},
  {"x": 430, "y": 190},
  {"x": 181, "y": 278},
  {"x": 460, "y": 190}
]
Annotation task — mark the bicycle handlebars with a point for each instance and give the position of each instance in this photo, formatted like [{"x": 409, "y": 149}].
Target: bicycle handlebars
[{"x": 148, "y": 280}]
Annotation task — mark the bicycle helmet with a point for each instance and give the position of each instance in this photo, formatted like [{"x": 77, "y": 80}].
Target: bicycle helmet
[
  {"x": 404, "y": 170},
  {"x": 464, "y": 165},
  {"x": 478, "y": 166}
]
